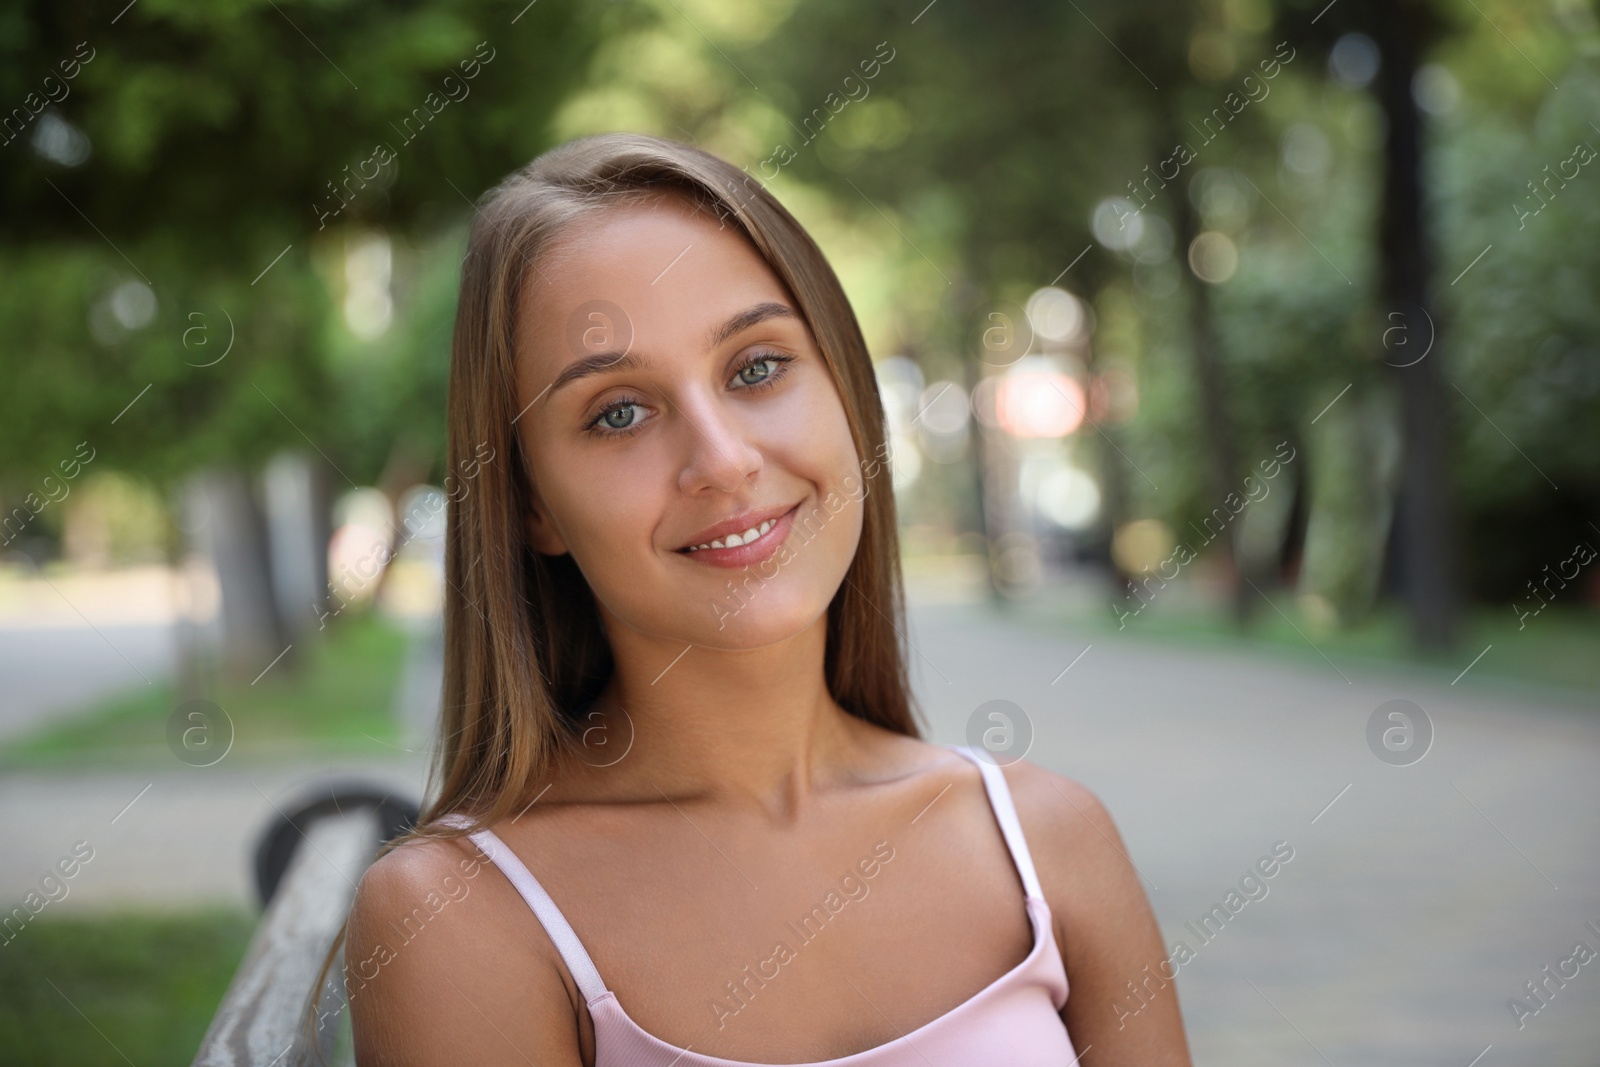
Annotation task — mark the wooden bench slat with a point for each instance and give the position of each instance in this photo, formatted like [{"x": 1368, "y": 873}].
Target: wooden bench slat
[{"x": 260, "y": 1021}]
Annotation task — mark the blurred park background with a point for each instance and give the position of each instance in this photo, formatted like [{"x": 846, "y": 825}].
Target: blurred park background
[{"x": 1250, "y": 337}]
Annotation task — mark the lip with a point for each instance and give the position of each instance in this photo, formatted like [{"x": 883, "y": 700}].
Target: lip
[{"x": 746, "y": 554}]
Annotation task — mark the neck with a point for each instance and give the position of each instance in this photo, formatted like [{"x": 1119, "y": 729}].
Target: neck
[{"x": 750, "y": 728}]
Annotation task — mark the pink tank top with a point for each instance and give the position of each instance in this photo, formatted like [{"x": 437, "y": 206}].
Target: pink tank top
[{"x": 1014, "y": 1020}]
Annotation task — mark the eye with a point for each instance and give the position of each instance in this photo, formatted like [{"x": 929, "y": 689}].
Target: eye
[
  {"x": 771, "y": 364},
  {"x": 604, "y": 424},
  {"x": 771, "y": 376}
]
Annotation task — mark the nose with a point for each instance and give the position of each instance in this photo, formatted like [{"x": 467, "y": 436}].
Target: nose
[{"x": 722, "y": 450}]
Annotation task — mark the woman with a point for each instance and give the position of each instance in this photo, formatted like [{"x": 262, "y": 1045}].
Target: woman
[{"x": 705, "y": 830}]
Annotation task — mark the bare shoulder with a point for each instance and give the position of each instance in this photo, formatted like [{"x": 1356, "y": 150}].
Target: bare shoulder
[
  {"x": 1066, "y": 824},
  {"x": 1074, "y": 842},
  {"x": 1084, "y": 865},
  {"x": 1105, "y": 926},
  {"x": 1030, "y": 782},
  {"x": 442, "y": 966}
]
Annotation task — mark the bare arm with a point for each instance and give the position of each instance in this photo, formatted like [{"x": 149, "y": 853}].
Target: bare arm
[
  {"x": 1109, "y": 933},
  {"x": 444, "y": 966}
]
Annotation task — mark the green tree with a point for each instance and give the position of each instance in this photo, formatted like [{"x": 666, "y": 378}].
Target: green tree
[{"x": 178, "y": 172}]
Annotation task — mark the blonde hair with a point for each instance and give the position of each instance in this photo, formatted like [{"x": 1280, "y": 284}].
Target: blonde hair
[{"x": 523, "y": 642}]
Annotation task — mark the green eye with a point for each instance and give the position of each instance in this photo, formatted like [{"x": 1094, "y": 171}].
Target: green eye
[
  {"x": 744, "y": 373},
  {"x": 605, "y": 423},
  {"x": 758, "y": 359}
]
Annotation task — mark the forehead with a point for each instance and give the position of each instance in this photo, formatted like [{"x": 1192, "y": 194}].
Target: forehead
[{"x": 667, "y": 268}]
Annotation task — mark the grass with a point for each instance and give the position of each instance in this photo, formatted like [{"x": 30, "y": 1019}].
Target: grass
[
  {"x": 340, "y": 698},
  {"x": 116, "y": 988},
  {"x": 1555, "y": 650}
]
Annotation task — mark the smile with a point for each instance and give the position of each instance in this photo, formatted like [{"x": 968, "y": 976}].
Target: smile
[
  {"x": 747, "y": 547},
  {"x": 735, "y": 540}
]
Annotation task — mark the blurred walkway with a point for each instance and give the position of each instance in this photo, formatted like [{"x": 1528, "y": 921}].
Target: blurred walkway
[
  {"x": 162, "y": 837},
  {"x": 1419, "y": 898},
  {"x": 48, "y": 672},
  {"x": 67, "y": 640}
]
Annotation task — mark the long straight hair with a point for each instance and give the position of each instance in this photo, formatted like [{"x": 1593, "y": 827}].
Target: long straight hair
[
  {"x": 523, "y": 641},
  {"x": 524, "y": 647}
]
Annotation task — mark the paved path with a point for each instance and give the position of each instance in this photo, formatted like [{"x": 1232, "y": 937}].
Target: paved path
[
  {"x": 71, "y": 638},
  {"x": 1414, "y": 907},
  {"x": 162, "y": 838},
  {"x": 1418, "y": 901},
  {"x": 48, "y": 671}
]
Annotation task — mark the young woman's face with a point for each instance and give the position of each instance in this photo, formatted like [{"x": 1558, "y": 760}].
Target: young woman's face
[{"x": 668, "y": 384}]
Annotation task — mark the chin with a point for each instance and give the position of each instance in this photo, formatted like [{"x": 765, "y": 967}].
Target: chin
[
  {"x": 747, "y": 618},
  {"x": 753, "y": 628}
]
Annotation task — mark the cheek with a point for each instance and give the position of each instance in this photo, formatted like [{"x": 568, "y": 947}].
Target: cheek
[
  {"x": 608, "y": 515},
  {"x": 823, "y": 454},
  {"x": 822, "y": 448}
]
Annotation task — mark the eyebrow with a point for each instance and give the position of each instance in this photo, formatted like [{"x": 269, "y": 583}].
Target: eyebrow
[
  {"x": 747, "y": 318},
  {"x": 602, "y": 362}
]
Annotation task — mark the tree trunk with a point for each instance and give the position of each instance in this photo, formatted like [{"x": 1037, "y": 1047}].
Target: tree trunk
[
  {"x": 1425, "y": 534},
  {"x": 1219, "y": 437},
  {"x": 296, "y": 494},
  {"x": 230, "y": 531},
  {"x": 981, "y": 464}
]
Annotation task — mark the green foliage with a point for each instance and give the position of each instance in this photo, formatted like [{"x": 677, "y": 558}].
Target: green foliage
[
  {"x": 396, "y": 385},
  {"x": 958, "y": 177},
  {"x": 1525, "y": 328},
  {"x": 116, "y": 988},
  {"x": 216, "y": 134}
]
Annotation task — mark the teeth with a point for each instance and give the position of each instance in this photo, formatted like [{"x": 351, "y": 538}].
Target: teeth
[{"x": 735, "y": 540}]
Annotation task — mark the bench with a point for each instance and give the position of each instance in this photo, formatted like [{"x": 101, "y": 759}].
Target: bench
[{"x": 307, "y": 863}]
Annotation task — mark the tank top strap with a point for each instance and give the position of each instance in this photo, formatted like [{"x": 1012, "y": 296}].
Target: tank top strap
[
  {"x": 1005, "y": 813},
  {"x": 555, "y": 924}
]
